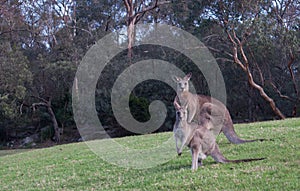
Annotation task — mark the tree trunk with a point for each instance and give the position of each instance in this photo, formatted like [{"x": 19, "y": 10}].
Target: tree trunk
[
  {"x": 54, "y": 121},
  {"x": 250, "y": 104},
  {"x": 264, "y": 95},
  {"x": 131, "y": 36},
  {"x": 47, "y": 104},
  {"x": 135, "y": 11},
  {"x": 238, "y": 49}
]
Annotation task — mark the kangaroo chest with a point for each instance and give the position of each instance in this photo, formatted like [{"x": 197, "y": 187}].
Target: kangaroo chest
[{"x": 184, "y": 131}]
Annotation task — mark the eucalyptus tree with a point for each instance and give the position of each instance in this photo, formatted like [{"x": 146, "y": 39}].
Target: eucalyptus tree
[
  {"x": 15, "y": 76},
  {"x": 261, "y": 38}
]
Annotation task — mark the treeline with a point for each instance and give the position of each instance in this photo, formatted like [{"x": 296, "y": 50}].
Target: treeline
[{"x": 256, "y": 44}]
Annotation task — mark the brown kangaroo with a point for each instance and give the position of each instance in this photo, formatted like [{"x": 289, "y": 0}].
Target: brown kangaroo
[
  {"x": 195, "y": 102},
  {"x": 198, "y": 137}
]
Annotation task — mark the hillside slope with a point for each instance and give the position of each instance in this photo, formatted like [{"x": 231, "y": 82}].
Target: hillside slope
[{"x": 76, "y": 167}]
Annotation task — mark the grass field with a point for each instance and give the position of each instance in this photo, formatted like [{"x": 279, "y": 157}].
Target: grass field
[{"x": 76, "y": 167}]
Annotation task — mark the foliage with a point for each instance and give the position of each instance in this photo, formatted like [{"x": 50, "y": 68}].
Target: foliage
[
  {"x": 76, "y": 167},
  {"x": 267, "y": 36},
  {"x": 15, "y": 79},
  {"x": 42, "y": 43},
  {"x": 139, "y": 108}
]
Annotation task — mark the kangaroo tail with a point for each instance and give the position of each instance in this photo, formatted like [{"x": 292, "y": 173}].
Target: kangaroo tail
[
  {"x": 218, "y": 157},
  {"x": 231, "y": 135}
]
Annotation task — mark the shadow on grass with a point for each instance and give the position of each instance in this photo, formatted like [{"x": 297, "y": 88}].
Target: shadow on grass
[{"x": 180, "y": 165}]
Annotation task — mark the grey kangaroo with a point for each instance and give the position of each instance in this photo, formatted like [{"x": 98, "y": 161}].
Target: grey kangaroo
[
  {"x": 198, "y": 137},
  {"x": 195, "y": 102}
]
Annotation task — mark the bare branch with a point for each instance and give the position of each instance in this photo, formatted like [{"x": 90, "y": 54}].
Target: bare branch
[
  {"x": 144, "y": 10},
  {"x": 264, "y": 95},
  {"x": 209, "y": 37},
  {"x": 235, "y": 51},
  {"x": 41, "y": 99},
  {"x": 47, "y": 104},
  {"x": 237, "y": 45},
  {"x": 220, "y": 51},
  {"x": 257, "y": 66},
  {"x": 280, "y": 94},
  {"x": 21, "y": 108},
  {"x": 34, "y": 105},
  {"x": 289, "y": 64},
  {"x": 224, "y": 59},
  {"x": 82, "y": 29},
  {"x": 156, "y": 4},
  {"x": 126, "y": 2}
]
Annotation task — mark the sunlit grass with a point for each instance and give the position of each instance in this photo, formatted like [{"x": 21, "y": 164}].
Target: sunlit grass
[{"x": 76, "y": 167}]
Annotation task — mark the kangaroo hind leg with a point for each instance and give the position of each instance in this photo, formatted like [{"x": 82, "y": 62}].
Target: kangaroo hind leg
[{"x": 195, "y": 157}]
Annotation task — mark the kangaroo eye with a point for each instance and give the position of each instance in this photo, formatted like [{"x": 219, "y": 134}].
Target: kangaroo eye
[{"x": 185, "y": 83}]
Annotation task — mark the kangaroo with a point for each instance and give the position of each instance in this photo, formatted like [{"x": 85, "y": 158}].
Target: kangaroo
[
  {"x": 195, "y": 102},
  {"x": 199, "y": 138},
  {"x": 182, "y": 133}
]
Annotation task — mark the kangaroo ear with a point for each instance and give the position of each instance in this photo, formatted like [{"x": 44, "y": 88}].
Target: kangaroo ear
[
  {"x": 176, "y": 105},
  {"x": 176, "y": 79},
  {"x": 188, "y": 76}
]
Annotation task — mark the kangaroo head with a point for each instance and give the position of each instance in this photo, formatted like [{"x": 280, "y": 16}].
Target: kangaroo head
[
  {"x": 181, "y": 112},
  {"x": 182, "y": 83}
]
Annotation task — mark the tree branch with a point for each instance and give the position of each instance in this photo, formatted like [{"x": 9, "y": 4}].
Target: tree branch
[
  {"x": 257, "y": 66},
  {"x": 41, "y": 99},
  {"x": 289, "y": 64},
  {"x": 47, "y": 104},
  {"x": 220, "y": 51},
  {"x": 34, "y": 105},
  {"x": 237, "y": 45},
  {"x": 140, "y": 14},
  {"x": 280, "y": 94},
  {"x": 82, "y": 29},
  {"x": 127, "y": 5},
  {"x": 235, "y": 51}
]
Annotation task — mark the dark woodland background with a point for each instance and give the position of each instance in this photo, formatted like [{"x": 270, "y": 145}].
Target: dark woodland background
[{"x": 256, "y": 45}]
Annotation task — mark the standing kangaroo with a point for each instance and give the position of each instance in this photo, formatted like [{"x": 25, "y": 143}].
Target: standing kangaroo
[
  {"x": 183, "y": 133},
  {"x": 195, "y": 102},
  {"x": 198, "y": 137}
]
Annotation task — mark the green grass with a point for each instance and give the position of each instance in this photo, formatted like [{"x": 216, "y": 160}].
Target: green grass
[
  {"x": 76, "y": 167},
  {"x": 12, "y": 151}
]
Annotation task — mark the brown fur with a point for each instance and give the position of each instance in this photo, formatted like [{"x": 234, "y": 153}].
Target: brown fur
[
  {"x": 182, "y": 133},
  {"x": 199, "y": 138},
  {"x": 220, "y": 115}
]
